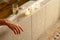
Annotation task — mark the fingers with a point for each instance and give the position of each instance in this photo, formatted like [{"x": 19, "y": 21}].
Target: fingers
[
  {"x": 14, "y": 31},
  {"x": 21, "y": 28},
  {"x": 13, "y": 28},
  {"x": 17, "y": 29}
]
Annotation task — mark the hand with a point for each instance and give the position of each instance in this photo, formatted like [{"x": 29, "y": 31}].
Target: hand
[{"x": 16, "y": 28}]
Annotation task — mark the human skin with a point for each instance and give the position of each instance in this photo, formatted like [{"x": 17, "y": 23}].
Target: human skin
[{"x": 16, "y": 28}]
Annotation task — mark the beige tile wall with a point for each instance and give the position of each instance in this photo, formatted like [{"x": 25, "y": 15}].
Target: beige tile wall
[
  {"x": 38, "y": 23},
  {"x": 44, "y": 18},
  {"x": 52, "y": 12}
]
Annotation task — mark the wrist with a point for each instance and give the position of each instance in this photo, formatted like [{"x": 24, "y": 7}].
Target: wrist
[
  {"x": 7, "y": 22},
  {"x": 2, "y": 22}
]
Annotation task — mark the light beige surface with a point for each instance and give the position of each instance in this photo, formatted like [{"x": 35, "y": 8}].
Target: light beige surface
[
  {"x": 44, "y": 18},
  {"x": 52, "y": 12},
  {"x": 38, "y": 23},
  {"x": 51, "y": 32}
]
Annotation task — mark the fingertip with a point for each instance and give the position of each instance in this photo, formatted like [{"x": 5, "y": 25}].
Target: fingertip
[{"x": 20, "y": 28}]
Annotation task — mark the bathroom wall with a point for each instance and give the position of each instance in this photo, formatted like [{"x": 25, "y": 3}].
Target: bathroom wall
[
  {"x": 52, "y": 12},
  {"x": 59, "y": 8},
  {"x": 44, "y": 18}
]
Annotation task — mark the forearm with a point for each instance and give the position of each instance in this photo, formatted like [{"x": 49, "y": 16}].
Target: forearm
[{"x": 2, "y": 22}]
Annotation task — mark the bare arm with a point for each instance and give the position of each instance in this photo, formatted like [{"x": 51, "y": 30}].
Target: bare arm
[
  {"x": 16, "y": 28},
  {"x": 2, "y": 22}
]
